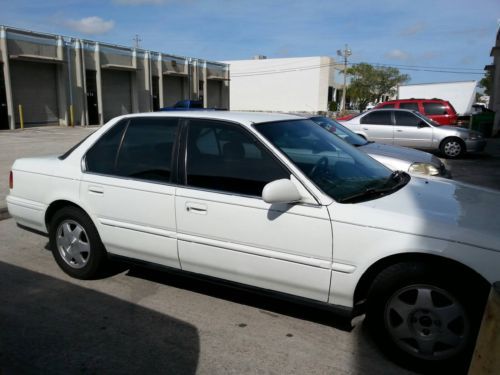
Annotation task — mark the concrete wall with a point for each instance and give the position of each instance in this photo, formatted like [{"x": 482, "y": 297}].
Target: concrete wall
[
  {"x": 47, "y": 75},
  {"x": 287, "y": 84}
]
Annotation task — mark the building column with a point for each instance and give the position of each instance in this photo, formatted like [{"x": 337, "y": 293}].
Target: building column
[
  {"x": 147, "y": 79},
  {"x": 99, "y": 83},
  {"x": 160, "y": 80},
  {"x": 62, "y": 75},
  {"x": 134, "y": 95},
  {"x": 205, "y": 84},
  {"x": 78, "y": 103},
  {"x": 6, "y": 76}
]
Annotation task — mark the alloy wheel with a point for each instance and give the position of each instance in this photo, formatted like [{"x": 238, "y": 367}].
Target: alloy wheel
[
  {"x": 73, "y": 244},
  {"x": 427, "y": 322}
]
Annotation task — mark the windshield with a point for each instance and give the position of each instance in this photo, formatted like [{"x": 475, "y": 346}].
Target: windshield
[
  {"x": 340, "y": 130},
  {"x": 336, "y": 167},
  {"x": 427, "y": 119}
]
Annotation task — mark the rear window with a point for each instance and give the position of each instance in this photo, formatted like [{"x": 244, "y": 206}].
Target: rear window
[
  {"x": 390, "y": 105},
  {"x": 433, "y": 108},
  {"x": 409, "y": 105},
  {"x": 377, "y": 118}
]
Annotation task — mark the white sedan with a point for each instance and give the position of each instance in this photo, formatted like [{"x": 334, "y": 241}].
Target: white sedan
[{"x": 275, "y": 202}]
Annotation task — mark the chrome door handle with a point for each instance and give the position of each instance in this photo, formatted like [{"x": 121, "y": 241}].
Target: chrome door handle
[
  {"x": 399, "y": 131},
  {"x": 96, "y": 189},
  {"x": 196, "y": 208},
  {"x": 365, "y": 128}
]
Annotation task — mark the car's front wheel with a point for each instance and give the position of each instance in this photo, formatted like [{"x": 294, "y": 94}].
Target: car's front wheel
[
  {"x": 453, "y": 147},
  {"x": 425, "y": 317},
  {"x": 76, "y": 245}
]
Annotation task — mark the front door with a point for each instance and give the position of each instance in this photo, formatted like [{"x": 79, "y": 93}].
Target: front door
[
  {"x": 226, "y": 230},
  {"x": 127, "y": 189},
  {"x": 411, "y": 131}
]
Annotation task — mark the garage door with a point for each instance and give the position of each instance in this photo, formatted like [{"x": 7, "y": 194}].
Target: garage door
[
  {"x": 34, "y": 86},
  {"x": 173, "y": 90},
  {"x": 116, "y": 93},
  {"x": 214, "y": 91}
]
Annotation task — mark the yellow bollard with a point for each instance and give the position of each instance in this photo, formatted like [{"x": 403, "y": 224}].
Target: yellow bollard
[
  {"x": 71, "y": 116},
  {"x": 486, "y": 360},
  {"x": 21, "y": 117}
]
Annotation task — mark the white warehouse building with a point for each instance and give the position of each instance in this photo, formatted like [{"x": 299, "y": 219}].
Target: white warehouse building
[{"x": 299, "y": 84}]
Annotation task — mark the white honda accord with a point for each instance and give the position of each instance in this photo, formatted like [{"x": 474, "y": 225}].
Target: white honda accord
[{"x": 275, "y": 202}]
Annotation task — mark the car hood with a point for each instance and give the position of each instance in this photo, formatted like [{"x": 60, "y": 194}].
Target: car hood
[
  {"x": 402, "y": 153},
  {"x": 436, "y": 208}
]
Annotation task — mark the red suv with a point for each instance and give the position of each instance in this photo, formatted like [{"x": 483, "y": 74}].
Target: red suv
[{"x": 438, "y": 110}]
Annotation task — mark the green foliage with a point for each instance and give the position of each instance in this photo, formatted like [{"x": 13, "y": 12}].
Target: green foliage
[
  {"x": 332, "y": 106},
  {"x": 370, "y": 84},
  {"x": 487, "y": 83}
]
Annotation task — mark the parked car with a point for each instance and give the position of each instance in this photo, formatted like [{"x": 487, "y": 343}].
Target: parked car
[
  {"x": 439, "y": 110},
  {"x": 275, "y": 202},
  {"x": 408, "y": 128},
  {"x": 394, "y": 157}
]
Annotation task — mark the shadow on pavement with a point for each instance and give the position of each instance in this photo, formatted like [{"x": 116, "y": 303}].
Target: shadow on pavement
[
  {"x": 266, "y": 302},
  {"x": 51, "y": 326}
]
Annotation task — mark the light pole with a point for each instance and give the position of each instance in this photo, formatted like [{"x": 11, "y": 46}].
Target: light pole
[{"x": 345, "y": 54}]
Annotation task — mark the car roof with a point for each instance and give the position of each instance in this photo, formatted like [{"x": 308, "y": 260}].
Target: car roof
[
  {"x": 413, "y": 99},
  {"x": 245, "y": 118}
]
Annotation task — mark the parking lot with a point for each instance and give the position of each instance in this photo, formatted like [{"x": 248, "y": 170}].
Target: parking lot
[{"x": 144, "y": 320}]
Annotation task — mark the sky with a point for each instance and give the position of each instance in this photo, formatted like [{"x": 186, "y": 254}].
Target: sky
[{"x": 426, "y": 39}]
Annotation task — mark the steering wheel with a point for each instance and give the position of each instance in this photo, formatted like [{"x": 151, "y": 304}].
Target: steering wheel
[{"x": 320, "y": 165}]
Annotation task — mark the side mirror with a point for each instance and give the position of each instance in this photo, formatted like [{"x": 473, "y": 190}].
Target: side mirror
[
  {"x": 422, "y": 124},
  {"x": 281, "y": 191}
]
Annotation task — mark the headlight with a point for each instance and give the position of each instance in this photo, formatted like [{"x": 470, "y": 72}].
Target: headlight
[
  {"x": 424, "y": 168},
  {"x": 475, "y": 135}
]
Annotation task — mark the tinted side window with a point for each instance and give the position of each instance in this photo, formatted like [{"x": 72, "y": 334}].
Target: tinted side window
[
  {"x": 101, "y": 157},
  {"x": 434, "y": 109},
  {"x": 388, "y": 105},
  {"x": 147, "y": 149},
  {"x": 377, "y": 118},
  {"x": 226, "y": 158},
  {"x": 412, "y": 105},
  {"x": 406, "y": 119}
]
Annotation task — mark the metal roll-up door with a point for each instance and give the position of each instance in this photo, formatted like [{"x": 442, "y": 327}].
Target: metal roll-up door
[
  {"x": 34, "y": 86},
  {"x": 214, "y": 91},
  {"x": 116, "y": 93},
  {"x": 173, "y": 90}
]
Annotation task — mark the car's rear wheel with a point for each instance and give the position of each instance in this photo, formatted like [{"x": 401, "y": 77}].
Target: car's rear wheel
[
  {"x": 452, "y": 147},
  {"x": 424, "y": 318},
  {"x": 76, "y": 245}
]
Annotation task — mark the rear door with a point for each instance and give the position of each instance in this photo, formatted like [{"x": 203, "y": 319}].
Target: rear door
[
  {"x": 408, "y": 133},
  {"x": 377, "y": 125},
  {"x": 128, "y": 189},
  {"x": 226, "y": 230}
]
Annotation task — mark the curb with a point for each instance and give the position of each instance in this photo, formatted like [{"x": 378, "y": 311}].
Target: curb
[{"x": 4, "y": 213}]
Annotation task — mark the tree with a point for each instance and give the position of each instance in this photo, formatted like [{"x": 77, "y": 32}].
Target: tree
[
  {"x": 486, "y": 83},
  {"x": 370, "y": 84}
]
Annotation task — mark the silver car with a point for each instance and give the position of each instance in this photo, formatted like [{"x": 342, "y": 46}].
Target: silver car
[
  {"x": 394, "y": 157},
  {"x": 408, "y": 128}
]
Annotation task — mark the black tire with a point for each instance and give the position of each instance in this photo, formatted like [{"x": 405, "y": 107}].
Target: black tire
[
  {"x": 452, "y": 147},
  {"x": 424, "y": 317},
  {"x": 71, "y": 228}
]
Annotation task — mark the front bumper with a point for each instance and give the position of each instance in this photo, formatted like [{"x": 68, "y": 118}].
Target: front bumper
[{"x": 476, "y": 145}]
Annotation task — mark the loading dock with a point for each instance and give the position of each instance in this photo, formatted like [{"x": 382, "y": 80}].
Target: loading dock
[
  {"x": 116, "y": 91},
  {"x": 40, "y": 100}
]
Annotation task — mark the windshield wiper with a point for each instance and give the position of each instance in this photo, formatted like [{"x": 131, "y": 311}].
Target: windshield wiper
[{"x": 400, "y": 177}]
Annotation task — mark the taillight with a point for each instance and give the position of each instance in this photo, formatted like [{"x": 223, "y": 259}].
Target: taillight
[{"x": 11, "y": 180}]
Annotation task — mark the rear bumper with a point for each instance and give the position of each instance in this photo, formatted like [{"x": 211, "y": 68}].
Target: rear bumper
[
  {"x": 28, "y": 213},
  {"x": 476, "y": 145}
]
